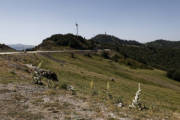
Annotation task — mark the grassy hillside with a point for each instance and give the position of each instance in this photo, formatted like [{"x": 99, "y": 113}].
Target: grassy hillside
[
  {"x": 159, "y": 94},
  {"x": 161, "y": 58},
  {"x": 160, "y": 54}
]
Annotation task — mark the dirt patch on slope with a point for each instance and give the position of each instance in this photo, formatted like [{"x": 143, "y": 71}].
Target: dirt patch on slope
[{"x": 30, "y": 102}]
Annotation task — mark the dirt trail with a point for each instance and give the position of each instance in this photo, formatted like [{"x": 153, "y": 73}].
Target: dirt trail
[{"x": 58, "y": 51}]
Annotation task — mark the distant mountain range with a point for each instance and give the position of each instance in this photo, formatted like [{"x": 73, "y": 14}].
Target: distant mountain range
[{"x": 20, "y": 46}]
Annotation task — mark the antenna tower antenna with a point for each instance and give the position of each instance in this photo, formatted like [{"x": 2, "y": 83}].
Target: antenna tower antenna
[{"x": 77, "y": 29}]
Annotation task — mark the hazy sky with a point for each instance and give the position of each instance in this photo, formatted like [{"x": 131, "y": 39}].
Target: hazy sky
[{"x": 31, "y": 21}]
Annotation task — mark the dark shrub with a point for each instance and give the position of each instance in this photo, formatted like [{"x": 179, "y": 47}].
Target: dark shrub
[
  {"x": 174, "y": 74},
  {"x": 88, "y": 55},
  {"x": 64, "y": 86},
  {"x": 72, "y": 55},
  {"x": 106, "y": 55},
  {"x": 170, "y": 73},
  {"x": 115, "y": 58}
]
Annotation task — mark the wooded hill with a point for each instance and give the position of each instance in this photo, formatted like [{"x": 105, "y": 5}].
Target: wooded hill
[
  {"x": 161, "y": 54},
  {"x": 70, "y": 41}
]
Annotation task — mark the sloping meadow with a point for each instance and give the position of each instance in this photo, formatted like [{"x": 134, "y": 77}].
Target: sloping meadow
[
  {"x": 91, "y": 76},
  {"x": 101, "y": 81}
]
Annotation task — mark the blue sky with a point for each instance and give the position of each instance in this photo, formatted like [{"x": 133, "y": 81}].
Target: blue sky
[{"x": 31, "y": 21}]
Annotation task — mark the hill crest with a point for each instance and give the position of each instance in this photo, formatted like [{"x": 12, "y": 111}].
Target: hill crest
[
  {"x": 5, "y": 48},
  {"x": 164, "y": 43},
  {"x": 69, "y": 41}
]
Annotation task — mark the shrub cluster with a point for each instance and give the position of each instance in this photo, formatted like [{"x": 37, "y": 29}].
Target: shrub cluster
[
  {"x": 105, "y": 55},
  {"x": 174, "y": 74}
]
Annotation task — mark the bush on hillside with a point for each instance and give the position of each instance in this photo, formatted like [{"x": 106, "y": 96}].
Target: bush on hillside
[
  {"x": 73, "y": 55},
  {"x": 116, "y": 58},
  {"x": 174, "y": 74},
  {"x": 88, "y": 55},
  {"x": 134, "y": 64},
  {"x": 105, "y": 55}
]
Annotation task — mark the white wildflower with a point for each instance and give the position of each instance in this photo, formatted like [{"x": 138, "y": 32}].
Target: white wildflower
[{"x": 136, "y": 100}]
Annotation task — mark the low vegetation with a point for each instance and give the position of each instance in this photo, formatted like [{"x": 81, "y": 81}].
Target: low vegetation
[
  {"x": 161, "y": 54},
  {"x": 174, "y": 74},
  {"x": 98, "y": 84},
  {"x": 102, "y": 81}
]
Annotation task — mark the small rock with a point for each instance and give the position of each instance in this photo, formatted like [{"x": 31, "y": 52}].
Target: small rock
[
  {"x": 113, "y": 80},
  {"x": 70, "y": 88},
  {"x": 112, "y": 115},
  {"x": 120, "y": 105},
  {"x": 46, "y": 99}
]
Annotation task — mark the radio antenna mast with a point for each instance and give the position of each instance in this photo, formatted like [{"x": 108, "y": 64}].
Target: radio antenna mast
[{"x": 77, "y": 29}]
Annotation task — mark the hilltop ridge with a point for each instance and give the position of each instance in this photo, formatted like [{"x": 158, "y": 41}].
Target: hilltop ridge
[
  {"x": 68, "y": 41},
  {"x": 161, "y": 54},
  {"x": 164, "y": 43},
  {"x": 100, "y": 41},
  {"x": 5, "y": 48},
  {"x": 113, "y": 40}
]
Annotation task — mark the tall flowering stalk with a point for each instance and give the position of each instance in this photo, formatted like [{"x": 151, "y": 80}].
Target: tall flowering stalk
[
  {"x": 91, "y": 84},
  {"x": 136, "y": 100},
  {"x": 39, "y": 65},
  {"x": 107, "y": 85}
]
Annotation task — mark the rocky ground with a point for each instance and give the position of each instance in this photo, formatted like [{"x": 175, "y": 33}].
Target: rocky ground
[{"x": 31, "y": 102}]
